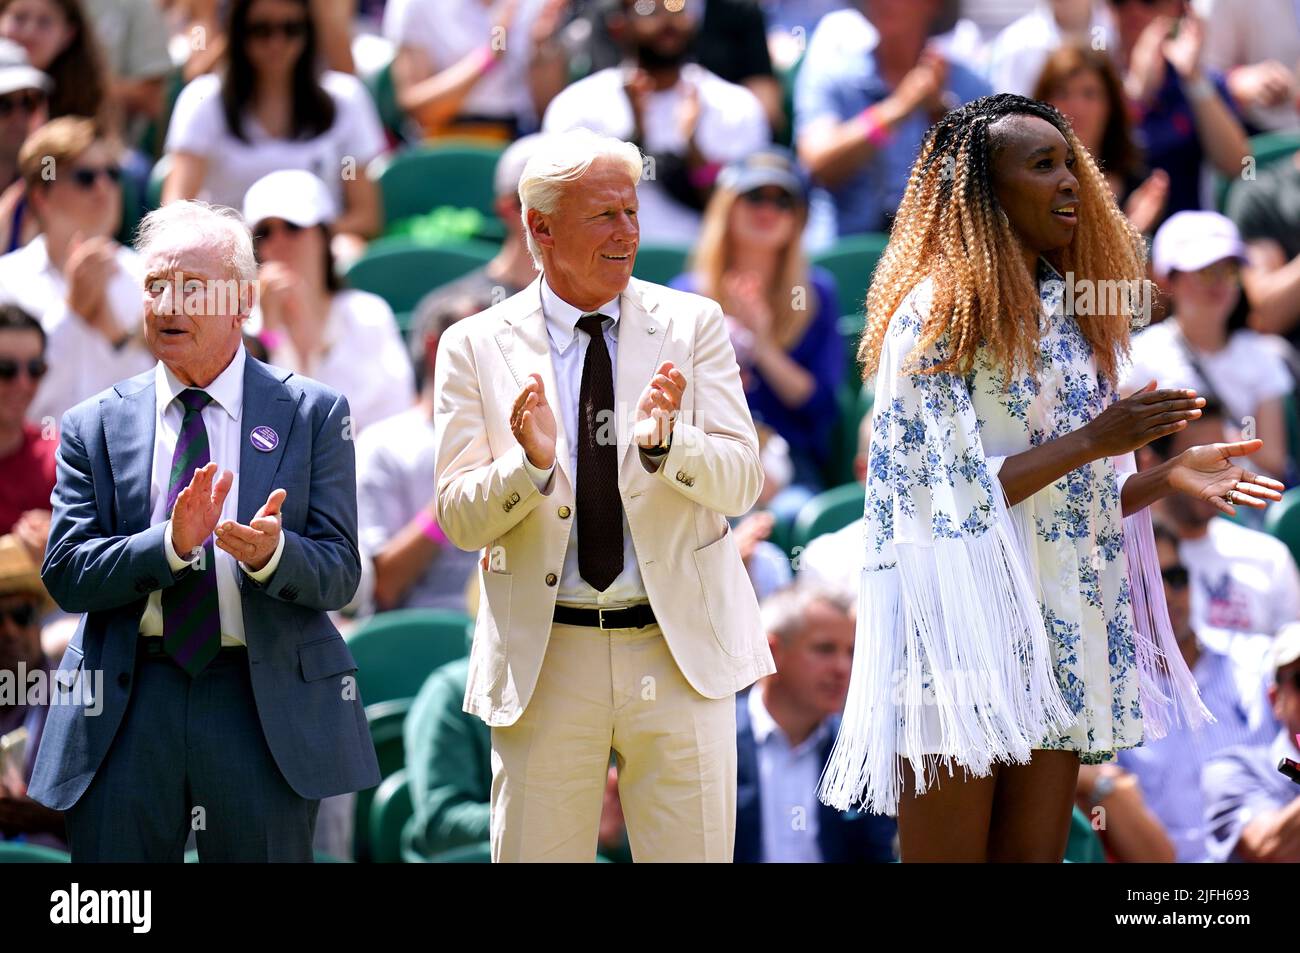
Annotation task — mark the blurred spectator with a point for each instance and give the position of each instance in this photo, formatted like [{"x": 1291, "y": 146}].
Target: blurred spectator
[
  {"x": 512, "y": 269},
  {"x": 1017, "y": 56},
  {"x": 1083, "y": 84},
  {"x": 481, "y": 68},
  {"x": 60, "y": 41},
  {"x": 785, "y": 727},
  {"x": 1204, "y": 344},
  {"x": 1233, "y": 685},
  {"x": 870, "y": 86},
  {"x": 783, "y": 314},
  {"x": 1256, "y": 44},
  {"x": 1252, "y": 811},
  {"x": 345, "y": 338},
  {"x": 272, "y": 108},
  {"x": 132, "y": 35},
  {"x": 1129, "y": 832},
  {"x": 408, "y": 562},
  {"x": 790, "y": 23},
  {"x": 22, "y": 112},
  {"x": 26, "y": 454},
  {"x": 835, "y": 559},
  {"x": 23, "y": 601},
  {"x": 1242, "y": 580},
  {"x": 686, "y": 120},
  {"x": 1184, "y": 116},
  {"x": 83, "y": 286},
  {"x": 731, "y": 43},
  {"x": 1267, "y": 210}
]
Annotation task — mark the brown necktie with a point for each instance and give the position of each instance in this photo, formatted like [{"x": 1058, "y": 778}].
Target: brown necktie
[{"x": 600, "y": 508}]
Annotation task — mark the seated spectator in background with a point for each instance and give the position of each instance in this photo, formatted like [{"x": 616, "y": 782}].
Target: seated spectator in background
[
  {"x": 82, "y": 285},
  {"x": 449, "y": 770},
  {"x": 1256, "y": 45},
  {"x": 60, "y": 41},
  {"x": 1233, "y": 685},
  {"x": 783, "y": 313},
  {"x": 1267, "y": 211},
  {"x": 22, "y": 111},
  {"x": 1114, "y": 803},
  {"x": 512, "y": 269},
  {"x": 785, "y": 727},
  {"x": 1252, "y": 811},
  {"x": 132, "y": 36},
  {"x": 476, "y": 68},
  {"x": 789, "y": 25},
  {"x": 344, "y": 338},
  {"x": 1204, "y": 344},
  {"x": 26, "y": 453},
  {"x": 407, "y": 562},
  {"x": 1242, "y": 580},
  {"x": 23, "y": 602},
  {"x": 835, "y": 559},
  {"x": 687, "y": 121},
  {"x": 870, "y": 86},
  {"x": 272, "y": 108},
  {"x": 1185, "y": 117},
  {"x": 1018, "y": 54},
  {"x": 1083, "y": 84}
]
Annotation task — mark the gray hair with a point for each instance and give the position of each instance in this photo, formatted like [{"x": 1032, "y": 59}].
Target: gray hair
[
  {"x": 785, "y": 612},
  {"x": 177, "y": 224},
  {"x": 559, "y": 160}
]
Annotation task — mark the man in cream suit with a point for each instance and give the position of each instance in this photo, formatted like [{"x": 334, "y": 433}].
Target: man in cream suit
[{"x": 591, "y": 438}]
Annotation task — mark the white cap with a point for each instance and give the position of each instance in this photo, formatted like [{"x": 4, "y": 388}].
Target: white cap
[
  {"x": 294, "y": 195},
  {"x": 1286, "y": 646},
  {"x": 1190, "y": 241},
  {"x": 17, "y": 72}
]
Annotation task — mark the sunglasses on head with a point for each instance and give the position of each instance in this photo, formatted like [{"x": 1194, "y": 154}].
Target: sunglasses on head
[
  {"x": 778, "y": 199},
  {"x": 28, "y": 101},
  {"x": 9, "y": 368},
  {"x": 266, "y": 229},
  {"x": 289, "y": 29},
  {"x": 86, "y": 176},
  {"x": 1175, "y": 577},
  {"x": 22, "y": 615}
]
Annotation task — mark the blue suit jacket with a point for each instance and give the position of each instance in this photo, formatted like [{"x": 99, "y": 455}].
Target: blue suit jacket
[
  {"x": 104, "y": 559},
  {"x": 845, "y": 837}
]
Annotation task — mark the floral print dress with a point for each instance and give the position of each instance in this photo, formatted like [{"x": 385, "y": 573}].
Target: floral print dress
[{"x": 984, "y": 631}]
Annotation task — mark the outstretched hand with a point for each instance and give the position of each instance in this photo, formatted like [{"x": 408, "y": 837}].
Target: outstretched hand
[{"x": 1208, "y": 473}]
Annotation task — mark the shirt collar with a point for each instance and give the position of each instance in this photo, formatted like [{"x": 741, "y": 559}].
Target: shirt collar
[
  {"x": 764, "y": 725},
  {"x": 562, "y": 317},
  {"x": 227, "y": 391}
]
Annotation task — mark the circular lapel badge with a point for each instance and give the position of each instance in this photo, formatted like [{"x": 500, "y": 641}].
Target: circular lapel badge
[{"x": 264, "y": 439}]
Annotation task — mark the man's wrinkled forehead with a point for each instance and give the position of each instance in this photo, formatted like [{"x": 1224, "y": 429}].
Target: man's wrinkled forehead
[{"x": 196, "y": 256}]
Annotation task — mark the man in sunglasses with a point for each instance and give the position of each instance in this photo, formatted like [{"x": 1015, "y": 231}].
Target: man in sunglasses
[
  {"x": 26, "y": 452},
  {"x": 82, "y": 286},
  {"x": 23, "y": 89},
  {"x": 23, "y": 602}
]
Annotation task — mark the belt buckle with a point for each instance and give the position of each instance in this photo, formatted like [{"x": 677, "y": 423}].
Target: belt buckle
[{"x": 600, "y": 615}]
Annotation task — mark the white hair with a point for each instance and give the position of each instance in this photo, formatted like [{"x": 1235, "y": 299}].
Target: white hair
[
  {"x": 178, "y": 223},
  {"x": 558, "y": 161},
  {"x": 785, "y": 612}
]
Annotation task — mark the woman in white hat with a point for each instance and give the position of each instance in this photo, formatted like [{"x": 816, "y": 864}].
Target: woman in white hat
[
  {"x": 1204, "y": 344},
  {"x": 307, "y": 320}
]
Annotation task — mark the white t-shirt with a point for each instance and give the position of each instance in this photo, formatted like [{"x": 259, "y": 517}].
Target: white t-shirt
[
  {"x": 732, "y": 124},
  {"x": 834, "y": 559},
  {"x": 1242, "y": 580},
  {"x": 1019, "y": 53},
  {"x": 365, "y": 360},
  {"x": 1243, "y": 374},
  {"x": 198, "y": 126},
  {"x": 448, "y": 31}
]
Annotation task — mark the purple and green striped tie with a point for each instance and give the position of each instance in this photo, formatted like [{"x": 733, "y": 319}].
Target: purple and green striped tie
[{"x": 191, "y": 615}]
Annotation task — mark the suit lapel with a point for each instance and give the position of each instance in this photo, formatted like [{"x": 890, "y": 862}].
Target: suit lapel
[
  {"x": 267, "y": 403},
  {"x": 129, "y": 434},
  {"x": 641, "y": 335}
]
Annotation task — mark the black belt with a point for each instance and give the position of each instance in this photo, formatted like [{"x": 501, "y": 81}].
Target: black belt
[
  {"x": 630, "y": 617},
  {"x": 151, "y": 646}
]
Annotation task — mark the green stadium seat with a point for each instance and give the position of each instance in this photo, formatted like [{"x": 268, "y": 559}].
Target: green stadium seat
[
  {"x": 852, "y": 260},
  {"x": 1283, "y": 520},
  {"x": 192, "y": 857},
  {"x": 385, "y": 720},
  {"x": 826, "y": 512},
  {"x": 388, "y": 815},
  {"x": 1083, "y": 846},
  {"x": 660, "y": 263},
  {"x": 395, "y": 651},
  {"x": 1267, "y": 148},
  {"x": 403, "y": 272},
  {"x": 855, "y": 402},
  {"x": 12, "y": 853},
  {"x": 469, "y": 854},
  {"x": 382, "y": 91},
  {"x": 423, "y": 178}
]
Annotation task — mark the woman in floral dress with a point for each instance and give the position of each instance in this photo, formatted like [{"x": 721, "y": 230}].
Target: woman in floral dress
[{"x": 1011, "y": 620}]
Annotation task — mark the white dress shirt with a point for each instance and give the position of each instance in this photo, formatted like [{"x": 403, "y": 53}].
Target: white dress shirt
[
  {"x": 568, "y": 350},
  {"x": 221, "y": 419},
  {"x": 787, "y": 787}
]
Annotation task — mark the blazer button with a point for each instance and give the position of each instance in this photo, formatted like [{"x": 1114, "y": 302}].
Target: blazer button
[
  {"x": 507, "y": 506},
  {"x": 551, "y": 579},
  {"x": 564, "y": 512},
  {"x": 514, "y": 497}
]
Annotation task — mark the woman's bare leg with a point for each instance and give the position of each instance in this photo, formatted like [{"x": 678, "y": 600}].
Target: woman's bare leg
[
  {"x": 950, "y": 821},
  {"x": 1032, "y": 807}
]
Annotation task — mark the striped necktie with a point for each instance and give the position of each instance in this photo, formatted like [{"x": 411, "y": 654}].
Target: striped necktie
[{"x": 191, "y": 615}]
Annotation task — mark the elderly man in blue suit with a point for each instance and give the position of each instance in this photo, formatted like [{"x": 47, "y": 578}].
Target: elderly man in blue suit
[
  {"x": 785, "y": 727},
  {"x": 204, "y": 523}
]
